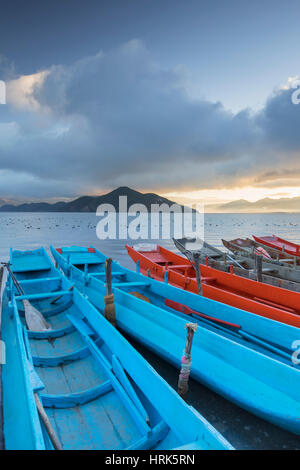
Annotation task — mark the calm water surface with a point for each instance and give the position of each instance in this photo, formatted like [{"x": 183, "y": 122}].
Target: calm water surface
[{"x": 31, "y": 230}]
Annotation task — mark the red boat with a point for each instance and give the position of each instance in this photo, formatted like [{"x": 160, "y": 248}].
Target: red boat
[
  {"x": 159, "y": 261},
  {"x": 279, "y": 244},
  {"x": 262, "y": 299}
]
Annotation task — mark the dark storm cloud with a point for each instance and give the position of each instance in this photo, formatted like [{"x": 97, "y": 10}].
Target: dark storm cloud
[
  {"x": 279, "y": 121},
  {"x": 119, "y": 118}
]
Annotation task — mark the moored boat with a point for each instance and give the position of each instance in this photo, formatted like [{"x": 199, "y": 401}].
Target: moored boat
[
  {"x": 243, "y": 261},
  {"x": 79, "y": 383},
  {"x": 156, "y": 261},
  {"x": 246, "y": 246},
  {"x": 242, "y": 356},
  {"x": 256, "y": 297},
  {"x": 284, "y": 247},
  {"x": 273, "y": 265}
]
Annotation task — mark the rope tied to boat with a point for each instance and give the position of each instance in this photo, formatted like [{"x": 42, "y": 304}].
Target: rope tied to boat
[
  {"x": 109, "y": 310},
  {"x": 186, "y": 360},
  {"x": 109, "y": 299}
]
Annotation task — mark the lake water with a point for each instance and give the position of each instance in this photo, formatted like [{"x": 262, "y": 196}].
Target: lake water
[{"x": 31, "y": 230}]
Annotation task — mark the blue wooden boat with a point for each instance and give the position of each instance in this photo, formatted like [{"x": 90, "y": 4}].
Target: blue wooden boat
[
  {"x": 96, "y": 390},
  {"x": 251, "y": 366}
]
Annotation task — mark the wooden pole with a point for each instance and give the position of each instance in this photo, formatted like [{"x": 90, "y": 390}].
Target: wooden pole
[
  {"x": 196, "y": 257},
  {"x": 60, "y": 296},
  {"x": 47, "y": 423},
  {"x": 259, "y": 268},
  {"x": 109, "y": 310},
  {"x": 186, "y": 361}
]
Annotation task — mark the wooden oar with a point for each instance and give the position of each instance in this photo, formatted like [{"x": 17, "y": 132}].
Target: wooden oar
[
  {"x": 227, "y": 327},
  {"x": 275, "y": 305},
  {"x": 46, "y": 421},
  {"x": 60, "y": 296},
  {"x": 34, "y": 319},
  {"x": 188, "y": 311},
  {"x": 234, "y": 261}
]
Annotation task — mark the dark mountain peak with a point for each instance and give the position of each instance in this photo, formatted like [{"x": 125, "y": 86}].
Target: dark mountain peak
[
  {"x": 91, "y": 203},
  {"x": 123, "y": 191}
]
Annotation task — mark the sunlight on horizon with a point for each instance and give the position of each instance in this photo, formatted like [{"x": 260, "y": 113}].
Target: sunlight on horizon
[{"x": 223, "y": 196}]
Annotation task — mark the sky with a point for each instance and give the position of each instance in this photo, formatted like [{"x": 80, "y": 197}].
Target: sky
[{"x": 192, "y": 100}]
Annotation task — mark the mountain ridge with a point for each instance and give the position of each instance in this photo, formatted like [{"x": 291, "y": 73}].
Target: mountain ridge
[
  {"x": 266, "y": 204},
  {"x": 91, "y": 203}
]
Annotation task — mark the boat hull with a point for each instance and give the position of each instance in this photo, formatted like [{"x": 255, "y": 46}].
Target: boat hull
[
  {"x": 253, "y": 296},
  {"x": 97, "y": 391},
  {"x": 276, "y": 267},
  {"x": 259, "y": 382},
  {"x": 227, "y": 288},
  {"x": 150, "y": 267},
  {"x": 280, "y": 245}
]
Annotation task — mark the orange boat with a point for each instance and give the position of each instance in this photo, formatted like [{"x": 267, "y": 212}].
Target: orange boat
[
  {"x": 159, "y": 261},
  {"x": 262, "y": 299},
  {"x": 279, "y": 244}
]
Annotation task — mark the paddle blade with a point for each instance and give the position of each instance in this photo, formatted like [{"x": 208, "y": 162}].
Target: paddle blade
[
  {"x": 188, "y": 311},
  {"x": 34, "y": 319}
]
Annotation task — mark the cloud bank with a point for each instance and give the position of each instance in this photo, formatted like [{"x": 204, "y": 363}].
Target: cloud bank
[{"x": 120, "y": 118}]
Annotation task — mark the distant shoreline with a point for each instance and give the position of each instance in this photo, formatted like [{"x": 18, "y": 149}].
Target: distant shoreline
[{"x": 89, "y": 204}]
